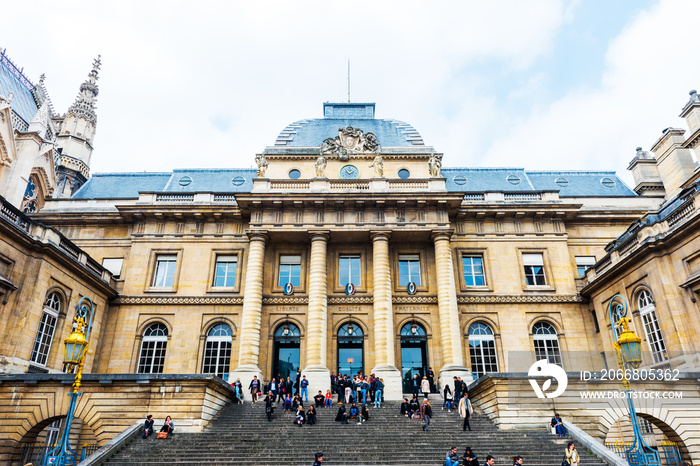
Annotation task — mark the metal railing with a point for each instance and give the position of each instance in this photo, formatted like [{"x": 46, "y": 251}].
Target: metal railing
[
  {"x": 669, "y": 452},
  {"x": 35, "y": 453}
]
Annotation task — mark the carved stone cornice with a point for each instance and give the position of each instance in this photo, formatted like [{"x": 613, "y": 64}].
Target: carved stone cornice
[
  {"x": 122, "y": 300},
  {"x": 285, "y": 300},
  {"x": 512, "y": 299},
  {"x": 414, "y": 300},
  {"x": 351, "y": 300}
]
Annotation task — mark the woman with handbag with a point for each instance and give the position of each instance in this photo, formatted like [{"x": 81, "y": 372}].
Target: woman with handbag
[
  {"x": 447, "y": 394},
  {"x": 168, "y": 427},
  {"x": 571, "y": 458}
]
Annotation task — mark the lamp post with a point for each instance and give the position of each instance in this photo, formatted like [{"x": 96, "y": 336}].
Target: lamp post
[
  {"x": 74, "y": 358},
  {"x": 629, "y": 353}
]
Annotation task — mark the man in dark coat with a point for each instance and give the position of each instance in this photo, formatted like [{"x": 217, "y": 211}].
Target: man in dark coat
[
  {"x": 342, "y": 415},
  {"x": 269, "y": 408},
  {"x": 405, "y": 407},
  {"x": 458, "y": 388},
  {"x": 319, "y": 459}
]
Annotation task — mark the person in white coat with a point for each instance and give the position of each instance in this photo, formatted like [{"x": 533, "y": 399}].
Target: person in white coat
[
  {"x": 425, "y": 387},
  {"x": 465, "y": 411}
]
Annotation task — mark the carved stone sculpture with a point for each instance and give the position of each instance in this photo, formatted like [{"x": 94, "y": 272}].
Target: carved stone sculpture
[
  {"x": 262, "y": 163},
  {"x": 435, "y": 165},
  {"x": 350, "y": 141},
  {"x": 321, "y": 167},
  {"x": 378, "y": 166}
]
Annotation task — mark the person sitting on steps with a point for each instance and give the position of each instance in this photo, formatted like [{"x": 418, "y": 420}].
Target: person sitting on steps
[
  {"x": 148, "y": 426},
  {"x": 311, "y": 415},
  {"x": 451, "y": 459},
  {"x": 300, "y": 417},
  {"x": 168, "y": 426},
  {"x": 329, "y": 399},
  {"x": 318, "y": 399},
  {"x": 342, "y": 415},
  {"x": 405, "y": 408},
  {"x": 470, "y": 458}
]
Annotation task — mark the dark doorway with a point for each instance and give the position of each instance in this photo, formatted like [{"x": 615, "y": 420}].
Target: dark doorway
[
  {"x": 414, "y": 354},
  {"x": 351, "y": 349},
  {"x": 285, "y": 351}
]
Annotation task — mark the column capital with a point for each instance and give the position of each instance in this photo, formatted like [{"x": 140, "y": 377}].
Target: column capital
[
  {"x": 441, "y": 234},
  {"x": 317, "y": 235},
  {"x": 380, "y": 235},
  {"x": 257, "y": 235}
]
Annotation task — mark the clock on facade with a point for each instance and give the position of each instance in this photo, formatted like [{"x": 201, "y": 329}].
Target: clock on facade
[{"x": 349, "y": 172}]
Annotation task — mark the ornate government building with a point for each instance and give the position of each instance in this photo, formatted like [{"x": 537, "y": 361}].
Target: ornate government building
[{"x": 350, "y": 248}]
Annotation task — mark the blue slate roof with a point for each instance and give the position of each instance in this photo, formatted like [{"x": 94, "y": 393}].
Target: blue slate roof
[
  {"x": 121, "y": 185},
  {"x": 568, "y": 183},
  {"x": 12, "y": 80},
  {"x": 312, "y": 132},
  {"x": 128, "y": 185}
]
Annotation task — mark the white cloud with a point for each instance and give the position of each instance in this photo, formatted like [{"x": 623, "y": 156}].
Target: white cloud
[
  {"x": 649, "y": 69},
  {"x": 209, "y": 84}
]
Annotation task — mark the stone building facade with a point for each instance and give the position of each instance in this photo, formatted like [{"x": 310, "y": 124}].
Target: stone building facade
[{"x": 350, "y": 248}]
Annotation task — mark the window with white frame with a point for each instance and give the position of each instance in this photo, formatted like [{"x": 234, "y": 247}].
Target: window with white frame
[
  {"x": 153, "y": 346},
  {"x": 52, "y": 432},
  {"x": 226, "y": 269},
  {"x": 482, "y": 350},
  {"x": 546, "y": 343},
  {"x": 584, "y": 263},
  {"x": 47, "y": 328},
  {"x": 647, "y": 311},
  {"x": 290, "y": 270},
  {"x": 534, "y": 269},
  {"x": 217, "y": 351},
  {"x": 164, "y": 273},
  {"x": 409, "y": 269},
  {"x": 473, "y": 270},
  {"x": 349, "y": 270}
]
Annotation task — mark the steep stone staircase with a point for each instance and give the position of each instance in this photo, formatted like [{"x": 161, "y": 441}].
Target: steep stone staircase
[{"x": 241, "y": 435}]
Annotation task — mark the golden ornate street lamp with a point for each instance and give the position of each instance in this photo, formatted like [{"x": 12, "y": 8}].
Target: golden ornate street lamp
[
  {"x": 76, "y": 346},
  {"x": 629, "y": 355}
]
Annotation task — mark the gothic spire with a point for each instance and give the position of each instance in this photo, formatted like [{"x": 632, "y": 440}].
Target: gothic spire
[{"x": 84, "y": 105}]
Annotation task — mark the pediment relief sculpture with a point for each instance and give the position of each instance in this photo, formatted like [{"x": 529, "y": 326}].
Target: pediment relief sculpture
[{"x": 350, "y": 141}]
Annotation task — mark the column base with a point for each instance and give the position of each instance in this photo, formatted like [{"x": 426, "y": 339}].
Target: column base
[
  {"x": 393, "y": 390},
  {"x": 319, "y": 378},
  {"x": 447, "y": 374},
  {"x": 246, "y": 373}
]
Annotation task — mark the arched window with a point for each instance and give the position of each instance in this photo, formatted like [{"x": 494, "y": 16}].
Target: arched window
[
  {"x": 414, "y": 353},
  {"x": 286, "y": 350},
  {"x": 47, "y": 327},
  {"x": 351, "y": 349},
  {"x": 217, "y": 351},
  {"x": 153, "y": 345},
  {"x": 482, "y": 350},
  {"x": 546, "y": 342},
  {"x": 647, "y": 311}
]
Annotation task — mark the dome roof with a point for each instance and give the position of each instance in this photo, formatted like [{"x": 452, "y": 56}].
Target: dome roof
[{"x": 312, "y": 132}]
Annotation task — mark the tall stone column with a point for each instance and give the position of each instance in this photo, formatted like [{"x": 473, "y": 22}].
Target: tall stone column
[
  {"x": 383, "y": 329},
  {"x": 251, "y": 316},
  {"x": 450, "y": 334},
  {"x": 316, "y": 371}
]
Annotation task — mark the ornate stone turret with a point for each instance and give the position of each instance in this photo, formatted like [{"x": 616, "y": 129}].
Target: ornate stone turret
[
  {"x": 75, "y": 139},
  {"x": 646, "y": 174}
]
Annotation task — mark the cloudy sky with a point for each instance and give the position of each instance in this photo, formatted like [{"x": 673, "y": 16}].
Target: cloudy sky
[{"x": 544, "y": 84}]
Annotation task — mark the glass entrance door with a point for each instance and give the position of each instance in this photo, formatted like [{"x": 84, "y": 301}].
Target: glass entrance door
[
  {"x": 414, "y": 354},
  {"x": 285, "y": 351},
  {"x": 351, "y": 351}
]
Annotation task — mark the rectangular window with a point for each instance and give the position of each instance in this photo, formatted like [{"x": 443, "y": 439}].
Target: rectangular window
[
  {"x": 152, "y": 359},
  {"x": 409, "y": 269},
  {"x": 349, "y": 270},
  {"x": 114, "y": 265},
  {"x": 473, "y": 270},
  {"x": 225, "y": 273},
  {"x": 44, "y": 336},
  {"x": 164, "y": 275},
  {"x": 534, "y": 269},
  {"x": 290, "y": 270},
  {"x": 584, "y": 263}
]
